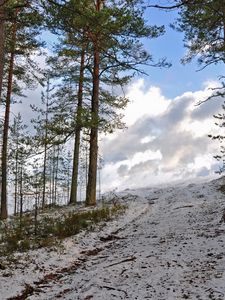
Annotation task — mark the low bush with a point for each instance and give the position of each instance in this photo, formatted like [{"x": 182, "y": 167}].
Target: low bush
[{"x": 23, "y": 234}]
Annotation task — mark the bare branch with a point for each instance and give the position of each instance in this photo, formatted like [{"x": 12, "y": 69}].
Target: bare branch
[{"x": 170, "y": 7}]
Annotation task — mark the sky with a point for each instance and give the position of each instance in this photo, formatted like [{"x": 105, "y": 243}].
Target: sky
[
  {"x": 167, "y": 133},
  {"x": 166, "y": 138}
]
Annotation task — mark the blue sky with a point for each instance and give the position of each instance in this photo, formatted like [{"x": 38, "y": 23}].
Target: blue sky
[{"x": 178, "y": 78}]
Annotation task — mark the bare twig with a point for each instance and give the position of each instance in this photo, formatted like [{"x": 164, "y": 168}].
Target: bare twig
[
  {"x": 114, "y": 289},
  {"x": 170, "y": 6},
  {"x": 185, "y": 206},
  {"x": 132, "y": 258}
]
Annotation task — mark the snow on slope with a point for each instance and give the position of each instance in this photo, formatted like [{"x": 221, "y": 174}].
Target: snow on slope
[{"x": 169, "y": 245}]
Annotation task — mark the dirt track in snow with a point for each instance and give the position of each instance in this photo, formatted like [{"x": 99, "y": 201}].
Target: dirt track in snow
[{"x": 169, "y": 245}]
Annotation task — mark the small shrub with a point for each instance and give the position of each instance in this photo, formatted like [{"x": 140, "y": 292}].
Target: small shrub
[
  {"x": 11, "y": 243},
  {"x": 102, "y": 214},
  {"x": 24, "y": 245},
  {"x": 46, "y": 242},
  {"x": 118, "y": 209},
  {"x": 52, "y": 205},
  {"x": 46, "y": 227},
  {"x": 19, "y": 234}
]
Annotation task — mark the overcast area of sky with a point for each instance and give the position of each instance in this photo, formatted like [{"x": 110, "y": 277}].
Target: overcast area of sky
[{"x": 167, "y": 135}]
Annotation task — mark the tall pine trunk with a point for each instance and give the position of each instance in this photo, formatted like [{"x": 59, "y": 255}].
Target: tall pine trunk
[
  {"x": 2, "y": 44},
  {"x": 53, "y": 176},
  {"x": 50, "y": 181},
  {"x": 56, "y": 174},
  {"x": 16, "y": 178},
  {"x": 45, "y": 148},
  {"x": 93, "y": 152},
  {"x": 44, "y": 175},
  {"x": 4, "y": 213},
  {"x": 21, "y": 193},
  {"x": 74, "y": 182}
]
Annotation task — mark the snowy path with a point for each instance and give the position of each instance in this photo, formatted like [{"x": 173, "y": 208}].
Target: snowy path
[{"x": 170, "y": 246}]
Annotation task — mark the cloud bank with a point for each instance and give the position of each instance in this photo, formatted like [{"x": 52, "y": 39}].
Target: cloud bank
[{"x": 166, "y": 139}]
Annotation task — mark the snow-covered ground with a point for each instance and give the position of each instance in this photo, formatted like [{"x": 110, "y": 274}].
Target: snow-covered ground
[{"x": 170, "y": 244}]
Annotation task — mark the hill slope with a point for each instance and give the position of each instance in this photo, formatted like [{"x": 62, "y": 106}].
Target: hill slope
[{"x": 169, "y": 245}]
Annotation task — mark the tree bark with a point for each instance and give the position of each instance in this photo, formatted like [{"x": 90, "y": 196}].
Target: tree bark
[
  {"x": 2, "y": 44},
  {"x": 4, "y": 212},
  {"x": 74, "y": 182},
  {"x": 93, "y": 154},
  {"x": 21, "y": 194},
  {"x": 93, "y": 151},
  {"x": 53, "y": 175},
  {"x": 45, "y": 148},
  {"x": 56, "y": 173},
  {"x": 16, "y": 178},
  {"x": 44, "y": 174}
]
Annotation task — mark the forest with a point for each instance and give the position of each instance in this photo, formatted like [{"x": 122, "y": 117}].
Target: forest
[
  {"x": 98, "y": 50},
  {"x": 65, "y": 66},
  {"x": 53, "y": 158}
]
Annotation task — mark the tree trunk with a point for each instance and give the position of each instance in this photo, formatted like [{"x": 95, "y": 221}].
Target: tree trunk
[
  {"x": 56, "y": 173},
  {"x": 2, "y": 44},
  {"x": 35, "y": 213},
  {"x": 36, "y": 208},
  {"x": 93, "y": 151},
  {"x": 51, "y": 181},
  {"x": 16, "y": 179},
  {"x": 93, "y": 156},
  {"x": 45, "y": 148},
  {"x": 4, "y": 213},
  {"x": 53, "y": 176},
  {"x": 68, "y": 184},
  {"x": 21, "y": 194},
  {"x": 224, "y": 30},
  {"x": 74, "y": 182},
  {"x": 44, "y": 176}
]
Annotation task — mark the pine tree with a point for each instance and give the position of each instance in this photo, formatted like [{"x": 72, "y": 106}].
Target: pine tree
[
  {"x": 119, "y": 26},
  {"x": 22, "y": 26},
  {"x": 2, "y": 43},
  {"x": 112, "y": 30},
  {"x": 203, "y": 23},
  {"x": 43, "y": 138},
  {"x": 66, "y": 171},
  {"x": 4, "y": 212},
  {"x": 17, "y": 149},
  {"x": 71, "y": 62},
  {"x": 74, "y": 180}
]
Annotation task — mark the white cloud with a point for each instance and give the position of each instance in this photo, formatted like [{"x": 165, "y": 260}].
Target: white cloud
[
  {"x": 166, "y": 139},
  {"x": 147, "y": 139},
  {"x": 149, "y": 103}
]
